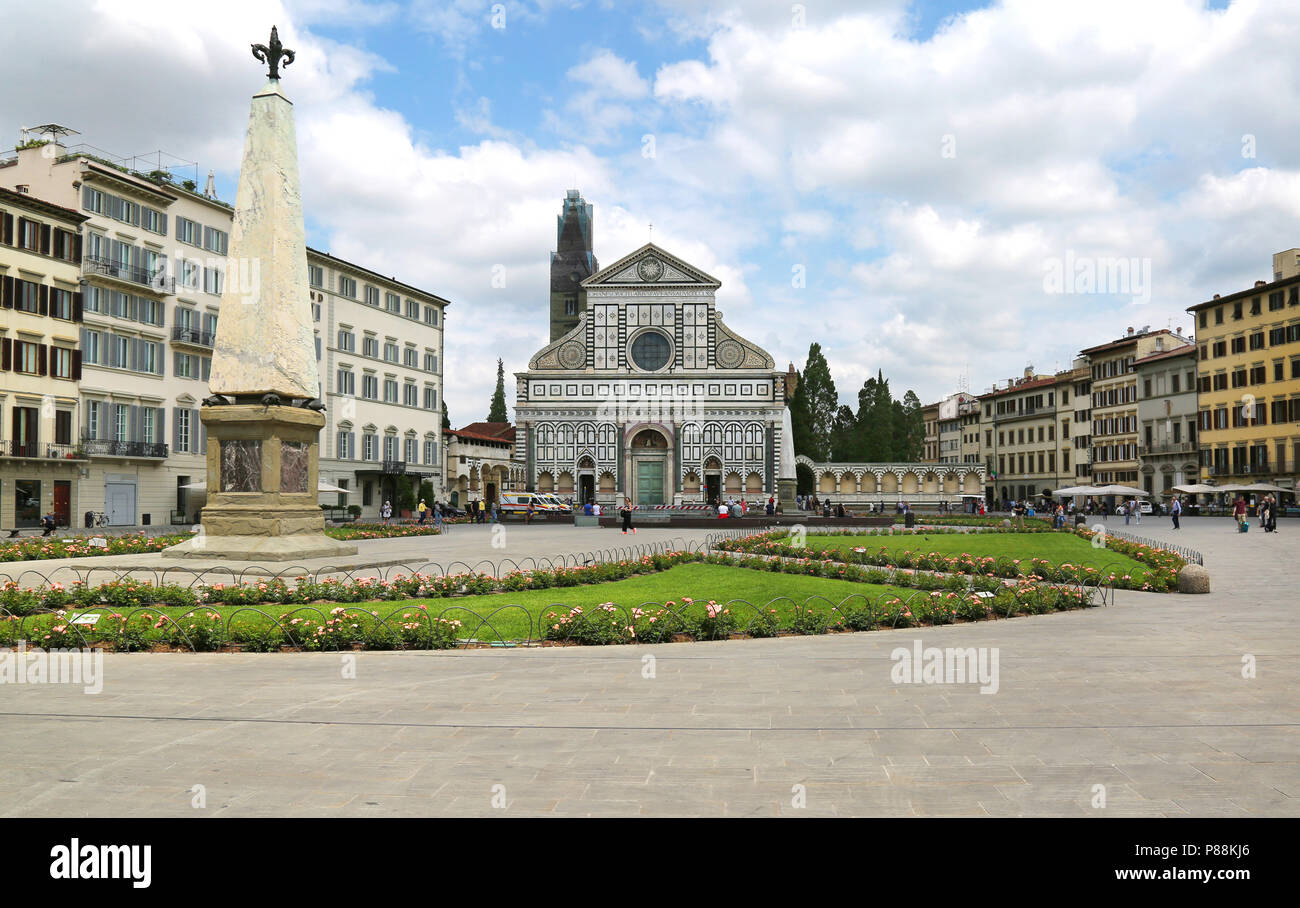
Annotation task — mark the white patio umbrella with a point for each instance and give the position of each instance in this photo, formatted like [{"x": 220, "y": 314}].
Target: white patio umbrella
[
  {"x": 1198, "y": 488},
  {"x": 1122, "y": 490},
  {"x": 1069, "y": 491},
  {"x": 1264, "y": 487}
]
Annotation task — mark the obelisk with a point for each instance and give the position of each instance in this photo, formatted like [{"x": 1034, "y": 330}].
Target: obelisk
[{"x": 264, "y": 416}]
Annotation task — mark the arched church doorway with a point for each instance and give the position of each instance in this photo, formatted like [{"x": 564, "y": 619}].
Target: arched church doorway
[{"x": 649, "y": 467}]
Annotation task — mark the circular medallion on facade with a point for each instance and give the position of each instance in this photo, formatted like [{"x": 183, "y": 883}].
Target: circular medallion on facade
[
  {"x": 573, "y": 355},
  {"x": 650, "y": 269},
  {"x": 730, "y": 354}
]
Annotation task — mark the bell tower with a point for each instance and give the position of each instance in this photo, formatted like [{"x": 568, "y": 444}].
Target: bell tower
[{"x": 572, "y": 262}]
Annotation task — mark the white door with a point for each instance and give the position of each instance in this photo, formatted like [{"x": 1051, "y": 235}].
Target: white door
[{"x": 119, "y": 503}]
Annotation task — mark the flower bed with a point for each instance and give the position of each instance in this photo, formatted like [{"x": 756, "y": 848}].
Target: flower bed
[
  {"x": 267, "y": 615},
  {"x": 41, "y": 548},
  {"x": 691, "y": 620},
  {"x": 1161, "y": 575}
]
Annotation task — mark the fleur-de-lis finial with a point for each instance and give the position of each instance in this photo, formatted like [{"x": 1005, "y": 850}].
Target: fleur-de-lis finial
[{"x": 272, "y": 53}]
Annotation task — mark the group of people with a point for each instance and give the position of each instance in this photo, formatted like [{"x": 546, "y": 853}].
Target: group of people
[
  {"x": 1266, "y": 509},
  {"x": 426, "y": 513}
]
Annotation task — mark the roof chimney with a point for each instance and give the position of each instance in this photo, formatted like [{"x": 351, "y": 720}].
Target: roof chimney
[
  {"x": 1260, "y": 283},
  {"x": 1216, "y": 296},
  {"x": 1130, "y": 330}
]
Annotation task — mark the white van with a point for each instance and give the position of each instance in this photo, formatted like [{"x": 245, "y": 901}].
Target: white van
[{"x": 517, "y": 503}]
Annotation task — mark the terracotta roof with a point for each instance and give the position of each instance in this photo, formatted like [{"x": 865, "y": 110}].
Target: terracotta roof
[
  {"x": 500, "y": 429},
  {"x": 35, "y": 203},
  {"x": 498, "y": 432}
]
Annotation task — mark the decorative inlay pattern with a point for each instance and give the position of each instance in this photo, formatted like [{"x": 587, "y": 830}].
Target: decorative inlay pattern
[
  {"x": 650, "y": 269},
  {"x": 573, "y": 355},
  {"x": 730, "y": 354}
]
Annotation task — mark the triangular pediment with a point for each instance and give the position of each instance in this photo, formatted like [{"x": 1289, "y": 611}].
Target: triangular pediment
[{"x": 651, "y": 266}]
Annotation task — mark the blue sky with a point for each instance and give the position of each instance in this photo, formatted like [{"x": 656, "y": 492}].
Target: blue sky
[{"x": 923, "y": 164}]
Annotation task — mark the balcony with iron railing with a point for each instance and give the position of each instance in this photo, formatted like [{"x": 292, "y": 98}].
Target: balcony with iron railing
[
  {"x": 157, "y": 280},
  {"x": 193, "y": 336},
  {"x": 99, "y": 447},
  {"x": 1257, "y": 470},
  {"x": 37, "y": 450},
  {"x": 1172, "y": 447}
]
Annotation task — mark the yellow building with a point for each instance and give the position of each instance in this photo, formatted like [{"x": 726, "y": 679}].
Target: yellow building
[
  {"x": 40, "y": 364},
  {"x": 1248, "y": 376}
]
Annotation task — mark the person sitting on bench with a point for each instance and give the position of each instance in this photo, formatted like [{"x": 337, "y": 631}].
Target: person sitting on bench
[{"x": 49, "y": 524}]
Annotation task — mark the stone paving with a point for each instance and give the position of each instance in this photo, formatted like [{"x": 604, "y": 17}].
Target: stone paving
[{"x": 1145, "y": 698}]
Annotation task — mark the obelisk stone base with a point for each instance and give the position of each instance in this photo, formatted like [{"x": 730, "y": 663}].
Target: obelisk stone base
[
  {"x": 786, "y": 489},
  {"x": 263, "y": 464}
]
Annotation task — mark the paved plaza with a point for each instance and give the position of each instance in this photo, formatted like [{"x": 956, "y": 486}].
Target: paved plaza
[{"x": 1143, "y": 702}]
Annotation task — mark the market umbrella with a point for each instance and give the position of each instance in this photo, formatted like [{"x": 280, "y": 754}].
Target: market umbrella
[
  {"x": 1121, "y": 490},
  {"x": 1077, "y": 490},
  {"x": 1198, "y": 488}
]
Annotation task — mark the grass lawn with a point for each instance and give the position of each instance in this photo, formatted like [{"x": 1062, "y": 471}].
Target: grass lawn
[
  {"x": 1057, "y": 548},
  {"x": 700, "y": 582}
]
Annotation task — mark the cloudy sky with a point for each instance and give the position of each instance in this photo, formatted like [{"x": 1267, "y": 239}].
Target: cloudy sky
[{"x": 921, "y": 187}]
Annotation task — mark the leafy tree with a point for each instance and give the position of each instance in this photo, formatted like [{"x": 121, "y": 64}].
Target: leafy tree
[
  {"x": 446, "y": 420},
  {"x": 845, "y": 438},
  {"x": 800, "y": 419},
  {"x": 497, "y": 410},
  {"x": 912, "y": 436},
  {"x": 823, "y": 404}
]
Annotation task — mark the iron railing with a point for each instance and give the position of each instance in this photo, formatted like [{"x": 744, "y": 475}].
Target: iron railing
[
  {"x": 156, "y": 280},
  {"x": 105, "y": 448},
  {"x": 184, "y": 335},
  {"x": 41, "y": 450}
]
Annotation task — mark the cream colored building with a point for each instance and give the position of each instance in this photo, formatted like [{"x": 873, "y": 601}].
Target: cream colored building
[
  {"x": 41, "y": 464},
  {"x": 1115, "y": 396},
  {"x": 153, "y": 265},
  {"x": 1027, "y": 427},
  {"x": 380, "y": 346},
  {"x": 882, "y": 486},
  {"x": 481, "y": 463}
]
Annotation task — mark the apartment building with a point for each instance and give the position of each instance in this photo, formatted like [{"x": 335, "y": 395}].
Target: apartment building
[
  {"x": 41, "y": 465},
  {"x": 153, "y": 267},
  {"x": 930, "y": 416},
  {"x": 380, "y": 346},
  {"x": 1114, "y": 399},
  {"x": 1167, "y": 419},
  {"x": 1026, "y": 429},
  {"x": 971, "y": 449},
  {"x": 949, "y": 432},
  {"x": 1248, "y": 380}
]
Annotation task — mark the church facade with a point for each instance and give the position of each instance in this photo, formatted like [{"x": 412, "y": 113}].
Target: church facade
[{"x": 650, "y": 396}]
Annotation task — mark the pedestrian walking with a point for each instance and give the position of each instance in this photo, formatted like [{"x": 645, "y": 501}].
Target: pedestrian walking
[
  {"x": 424, "y": 511},
  {"x": 386, "y": 511},
  {"x": 437, "y": 515},
  {"x": 1176, "y": 510},
  {"x": 1239, "y": 512},
  {"x": 626, "y": 514}
]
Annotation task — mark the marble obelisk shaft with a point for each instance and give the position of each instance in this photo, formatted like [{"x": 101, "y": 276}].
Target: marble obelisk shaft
[{"x": 265, "y": 341}]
